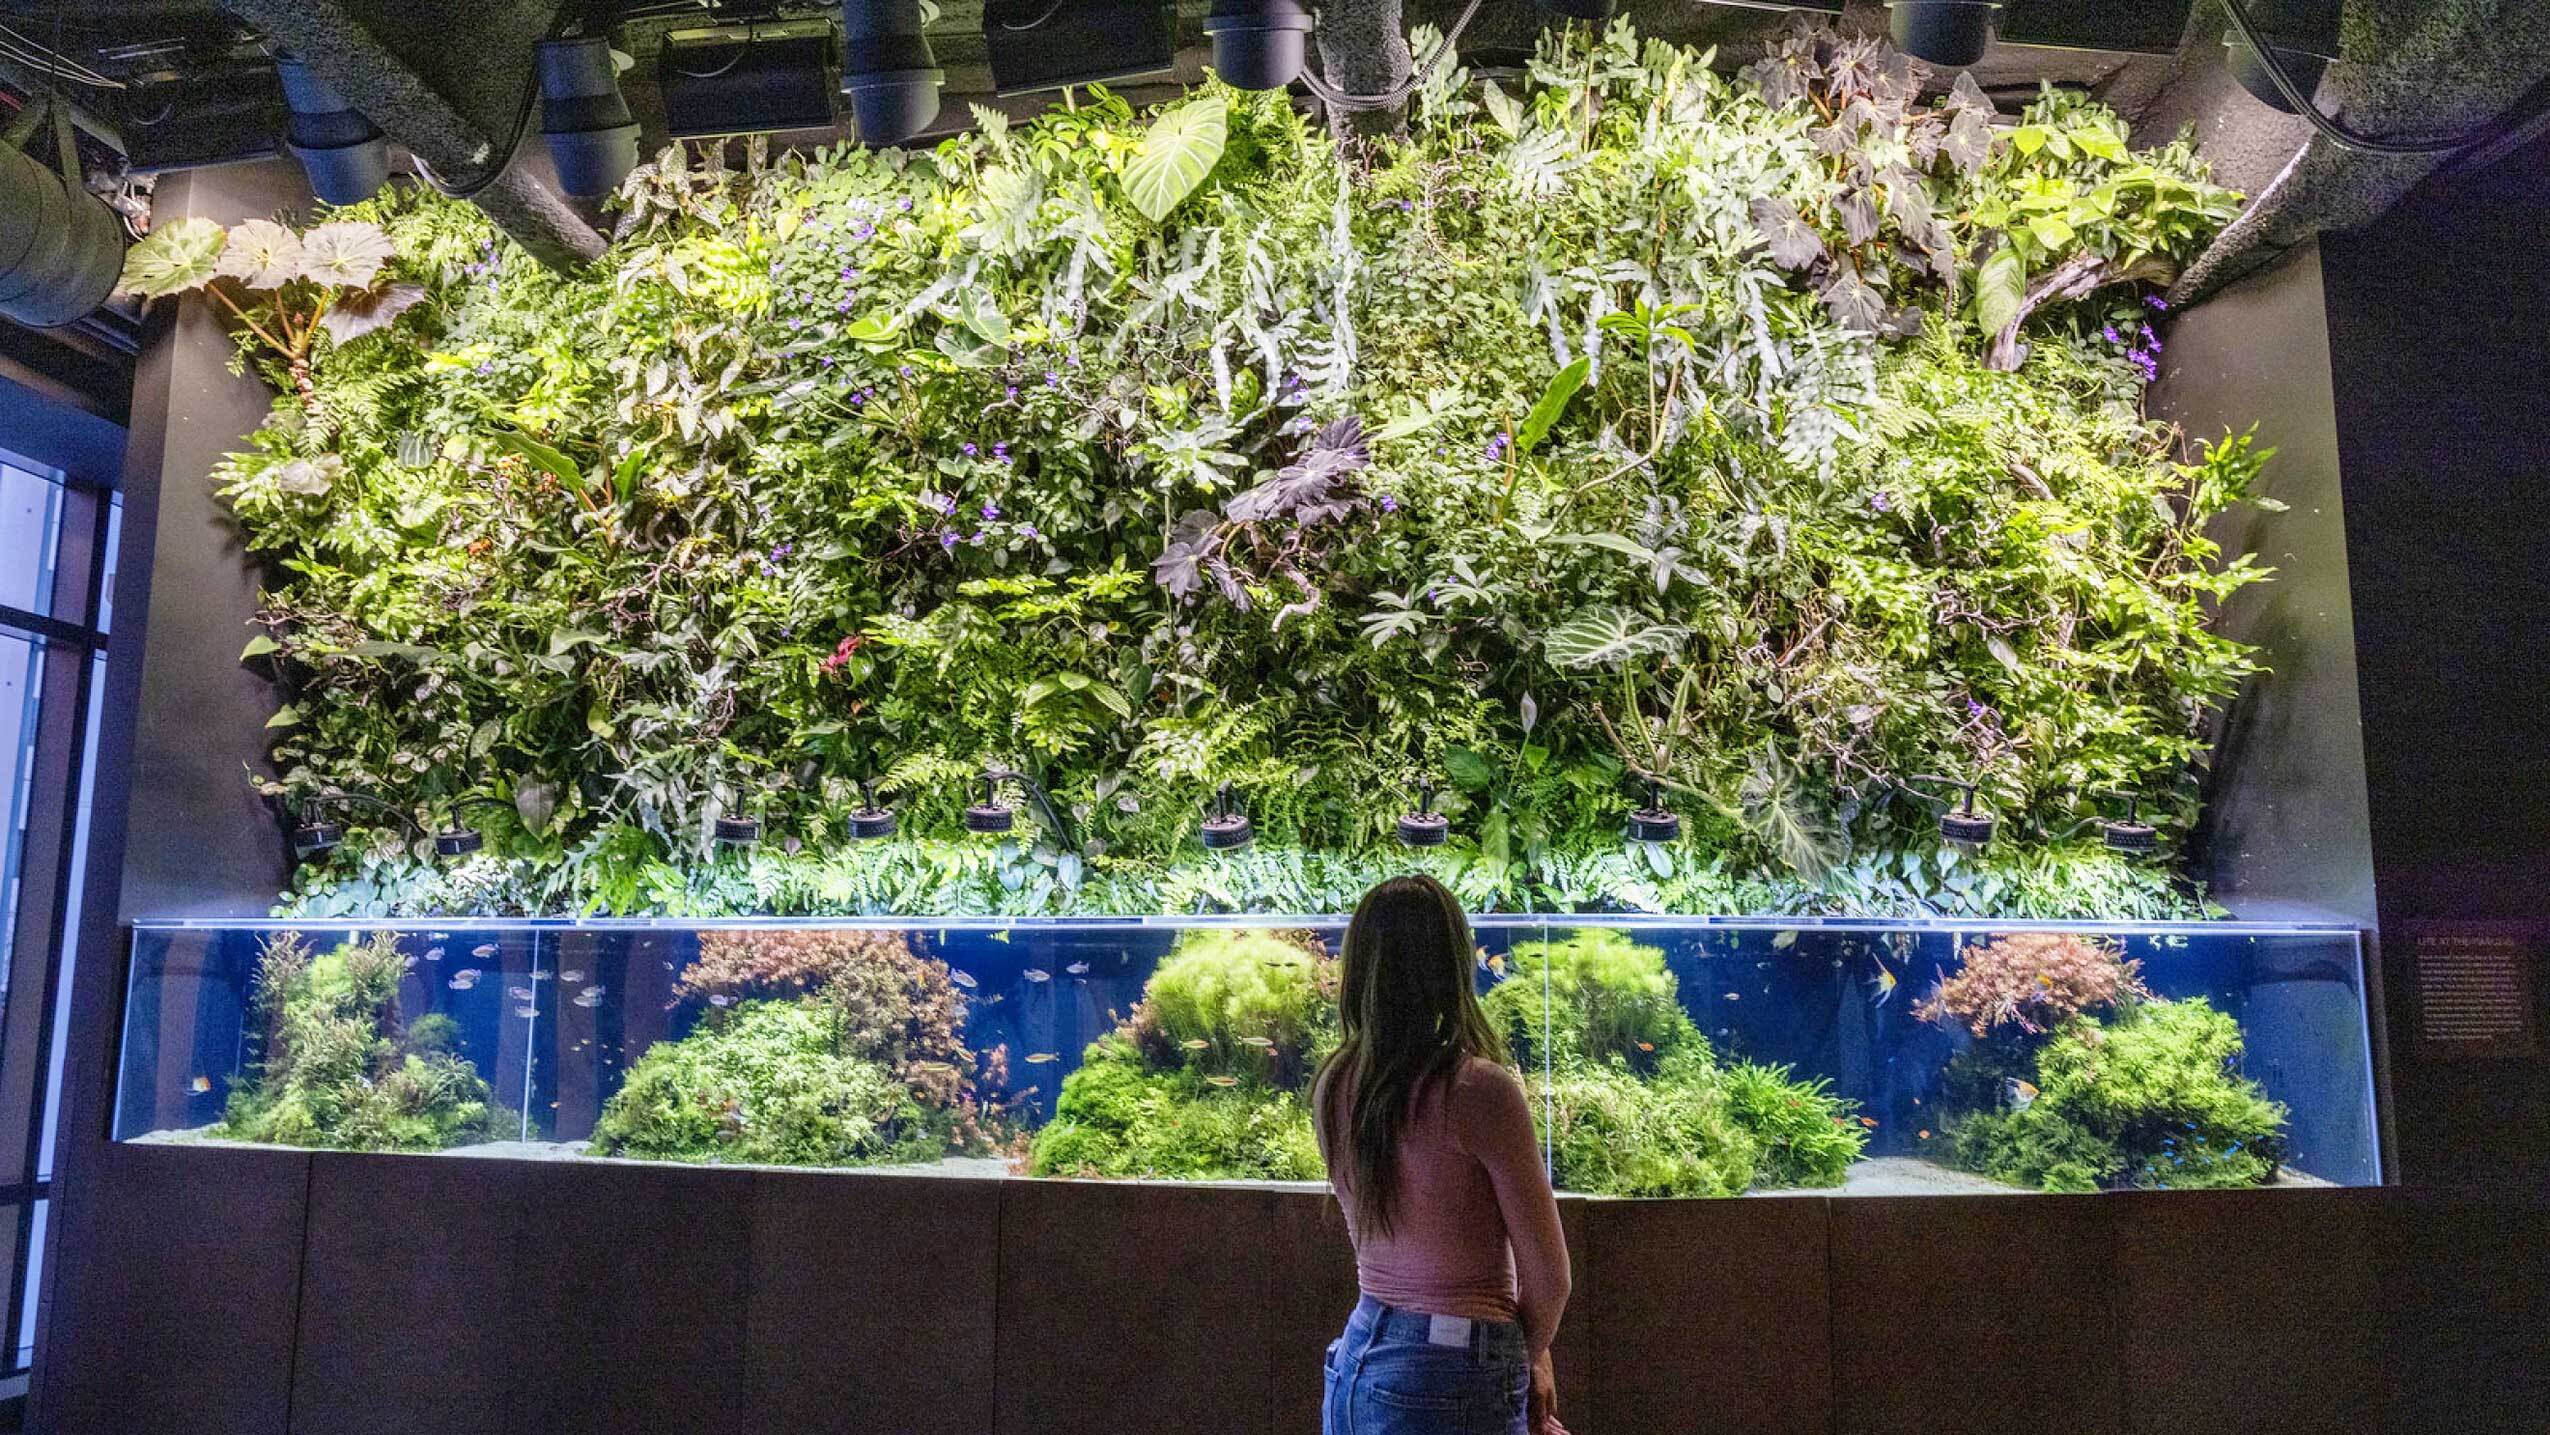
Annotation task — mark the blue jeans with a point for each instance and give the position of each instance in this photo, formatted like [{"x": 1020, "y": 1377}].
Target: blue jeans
[{"x": 1403, "y": 1372}]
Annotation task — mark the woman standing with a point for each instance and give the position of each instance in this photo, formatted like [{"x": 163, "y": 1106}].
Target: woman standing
[{"x": 1429, "y": 1144}]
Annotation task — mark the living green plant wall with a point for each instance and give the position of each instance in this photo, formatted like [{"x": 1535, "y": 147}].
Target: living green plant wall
[{"x": 1775, "y": 434}]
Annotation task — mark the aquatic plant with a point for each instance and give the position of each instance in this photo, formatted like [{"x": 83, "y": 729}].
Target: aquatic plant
[
  {"x": 1723, "y": 426},
  {"x": 1205, "y": 1078},
  {"x": 2030, "y": 983},
  {"x": 1633, "y": 1101},
  {"x": 335, "y": 1065},
  {"x": 786, "y": 1065},
  {"x": 2080, "y": 1079},
  {"x": 771, "y": 1082}
]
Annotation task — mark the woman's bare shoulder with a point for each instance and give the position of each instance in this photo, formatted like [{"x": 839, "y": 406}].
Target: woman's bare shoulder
[{"x": 1478, "y": 1075}]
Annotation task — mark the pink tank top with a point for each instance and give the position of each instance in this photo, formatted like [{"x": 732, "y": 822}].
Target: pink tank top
[{"x": 1448, "y": 1251}]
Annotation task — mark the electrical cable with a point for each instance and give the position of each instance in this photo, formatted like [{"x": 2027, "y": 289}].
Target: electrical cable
[
  {"x": 2337, "y": 132},
  {"x": 752, "y": 32},
  {"x": 504, "y": 158},
  {"x": 1050, "y": 12},
  {"x": 1397, "y": 94}
]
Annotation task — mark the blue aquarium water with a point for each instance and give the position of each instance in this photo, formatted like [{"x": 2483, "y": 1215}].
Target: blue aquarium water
[{"x": 1666, "y": 1056}]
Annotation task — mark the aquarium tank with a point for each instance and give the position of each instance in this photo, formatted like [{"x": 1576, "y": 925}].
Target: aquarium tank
[
  {"x": 1662, "y": 1056},
  {"x": 900, "y": 663}
]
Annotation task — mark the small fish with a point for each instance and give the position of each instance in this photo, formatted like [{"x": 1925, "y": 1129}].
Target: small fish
[
  {"x": 1646, "y": 1046},
  {"x": 2045, "y": 981},
  {"x": 571, "y": 974},
  {"x": 1923, "y": 1133},
  {"x": 1868, "y": 1121},
  {"x": 1261, "y": 1042},
  {"x": 589, "y": 1000},
  {"x": 1783, "y": 941},
  {"x": 2021, "y": 1093},
  {"x": 1036, "y": 975},
  {"x": 593, "y": 991},
  {"x": 526, "y": 1012},
  {"x": 520, "y": 994},
  {"x": 1039, "y": 1058},
  {"x": 540, "y": 974},
  {"x": 721, "y": 1000},
  {"x": 411, "y": 964},
  {"x": 1078, "y": 969},
  {"x": 1195, "y": 1043},
  {"x": 1883, "y": 984},
  {"x": 961, "y": 979},
  {"x": 934, "y": 1068},
  {"x": 456, "y": 984},
  {"x": 200, "y": 1085},
  {"x": 433, "y": 954},
  {"x": 1221, "y": 1081},
  {"x": 1001, "y": 936},
  {"x": 483, "y": 949},
  {"x": 1735, "y": 996},
  {"x": 996, "y": 998}
]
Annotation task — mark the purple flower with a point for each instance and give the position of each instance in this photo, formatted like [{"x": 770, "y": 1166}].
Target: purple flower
[
  {"x": 968, "y": 450},
  {"x": 827, "y": 361},
  {"x": 841, "y": 308},
  {"x": 1001, "y": 451},
  {"x": 1011, "y": 392},
  {"x": 1496, "y": 448},
  {"x": 486, "y": 368},
  {"x": 1882, "y": 501},
  {"x": 904, "y": 369},
  {"x": 1052, "y": 379},
  {"x": 783, "y": 550},
  {"x": 977, "y": 538},
  {"x": 904, "y": 204},
  {"x": 1389, "y": 504},
  {"x": 1029, "y": 530},
  {"x": 946, "y": 503},
  {"x": 2157, "y": 303},
  {"x": 858, "y": 397},
  {"x": 947, "y": 539},
  {"x": 1975, "y": 709},
  {"x": 2112, "y": 336},
  {"x": 991, "y": 510}
]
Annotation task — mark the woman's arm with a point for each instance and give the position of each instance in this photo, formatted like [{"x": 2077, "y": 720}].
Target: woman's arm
[{"x": 1494, "y": 1125}]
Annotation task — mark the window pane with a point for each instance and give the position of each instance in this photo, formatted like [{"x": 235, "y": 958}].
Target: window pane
[
  {"x": 30, "y": 516},
  {"x": 71, "y": 922},
  {"x": 34, "y": 1283},
  {"x": 106, "y": 587},
  {"x": 21, "y": 678}
]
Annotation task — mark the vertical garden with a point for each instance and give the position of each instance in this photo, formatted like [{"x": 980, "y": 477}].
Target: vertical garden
[{"x": 1771, "y": 436}]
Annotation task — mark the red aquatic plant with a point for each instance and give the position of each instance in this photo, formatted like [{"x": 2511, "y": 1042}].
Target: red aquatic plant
[
  {"x": 900, "y": 1009},
  {"x": 2033, "y": 982}
]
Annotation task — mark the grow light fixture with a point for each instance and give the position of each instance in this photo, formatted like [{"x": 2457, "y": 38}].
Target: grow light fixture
[
  {"x": 1960, "y": 822},
  {"x": 2152, "y": 27},
  {"x": 1954, "y": 33},
  {"x": 593, "y": 140},
  {"x": 737, "y": 831},
  {"x": 344, "y": 154},
  {"x": 1258, "y": 44},
  {"x": 313, "y": 835},
  {"x": 1226, "y": 828},
  {"x": 767, "y": 77},
  {"x": 1654, "y": 822},
  {"x": 1036, "y": 45},
  {"x": 868, "y": 821},
  {"x": 2134, "y": 838},
  {"x": 991, "y": 814},
  {"x": 460, "y": 840},
  {"x": 1425, "y": 827},
  {"x": 887, "y": 69}
]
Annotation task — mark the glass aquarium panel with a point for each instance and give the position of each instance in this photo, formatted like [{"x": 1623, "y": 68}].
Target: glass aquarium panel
[{"x": 1682, "y": 1057}]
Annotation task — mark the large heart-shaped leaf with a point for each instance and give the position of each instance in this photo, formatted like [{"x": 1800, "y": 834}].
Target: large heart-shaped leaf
[
  {"x": 179, "y": 255},
  {"x": 1602, "y": 636},
  {"x": 1180, "y": 149},
  {"x": 346, "y": 252},
  {"x": 261, "y": 255},
  {"x": 2001, "y": 286}
]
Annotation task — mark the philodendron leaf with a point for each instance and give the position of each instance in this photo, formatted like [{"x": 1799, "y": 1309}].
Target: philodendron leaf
[
  {"x": 180, "y": 255},
  {"x": 258, "y": 647},
  {"x": 1601, "y": 636},
  {"x": 1180, "y": 149},
  {"x": 1553, "y": 402},
  {"x": 534, "y": 803},
  {"x": 2001, "y": 285}
]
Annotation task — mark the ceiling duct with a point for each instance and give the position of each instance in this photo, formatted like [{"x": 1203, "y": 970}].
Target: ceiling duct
[
  {"x": 345, "y": 154},
  {"x": 593, "y": 141},
  {"x": 61, "y": 248},
  {"x": 887, "y": 69}
]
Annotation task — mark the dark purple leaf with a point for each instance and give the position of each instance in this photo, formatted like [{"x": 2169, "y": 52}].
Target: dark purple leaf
[
  {"x": 1859, "y": 216},
  {"x": 1967, "y": 97},
  {"x": 1969, "y": 141},
  {"x": 358, "y": 312},
  {"x": 1794, "y": 242},
  {"x": 1857, "y": 306},
  {"x": 1903, "y": 323}
]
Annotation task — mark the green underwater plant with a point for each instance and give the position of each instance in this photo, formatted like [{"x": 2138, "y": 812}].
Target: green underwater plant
[
  {"x": 337, "y": 1067},
  {"x": 1206, "y": 1078},
  {"x": 820, "y": 1048},
  {"x": 2125, "y": 1089},
  {"x": 1631, "y": 1098}
]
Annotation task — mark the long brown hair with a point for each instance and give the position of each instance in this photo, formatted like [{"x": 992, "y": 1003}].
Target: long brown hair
[{"x": 1409, "y": 1012}]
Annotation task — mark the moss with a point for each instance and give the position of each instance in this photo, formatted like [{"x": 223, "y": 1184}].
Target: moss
[
  {"x": 2150, "y": 1098},
  {"x": 338, "y": 1069},
  {"x": 861, "y": 1062},
  {"x": 1634, "y": 1102},
  {"x": 767, "y": 1081},
  {"x": 1181, "y": 1091}
]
